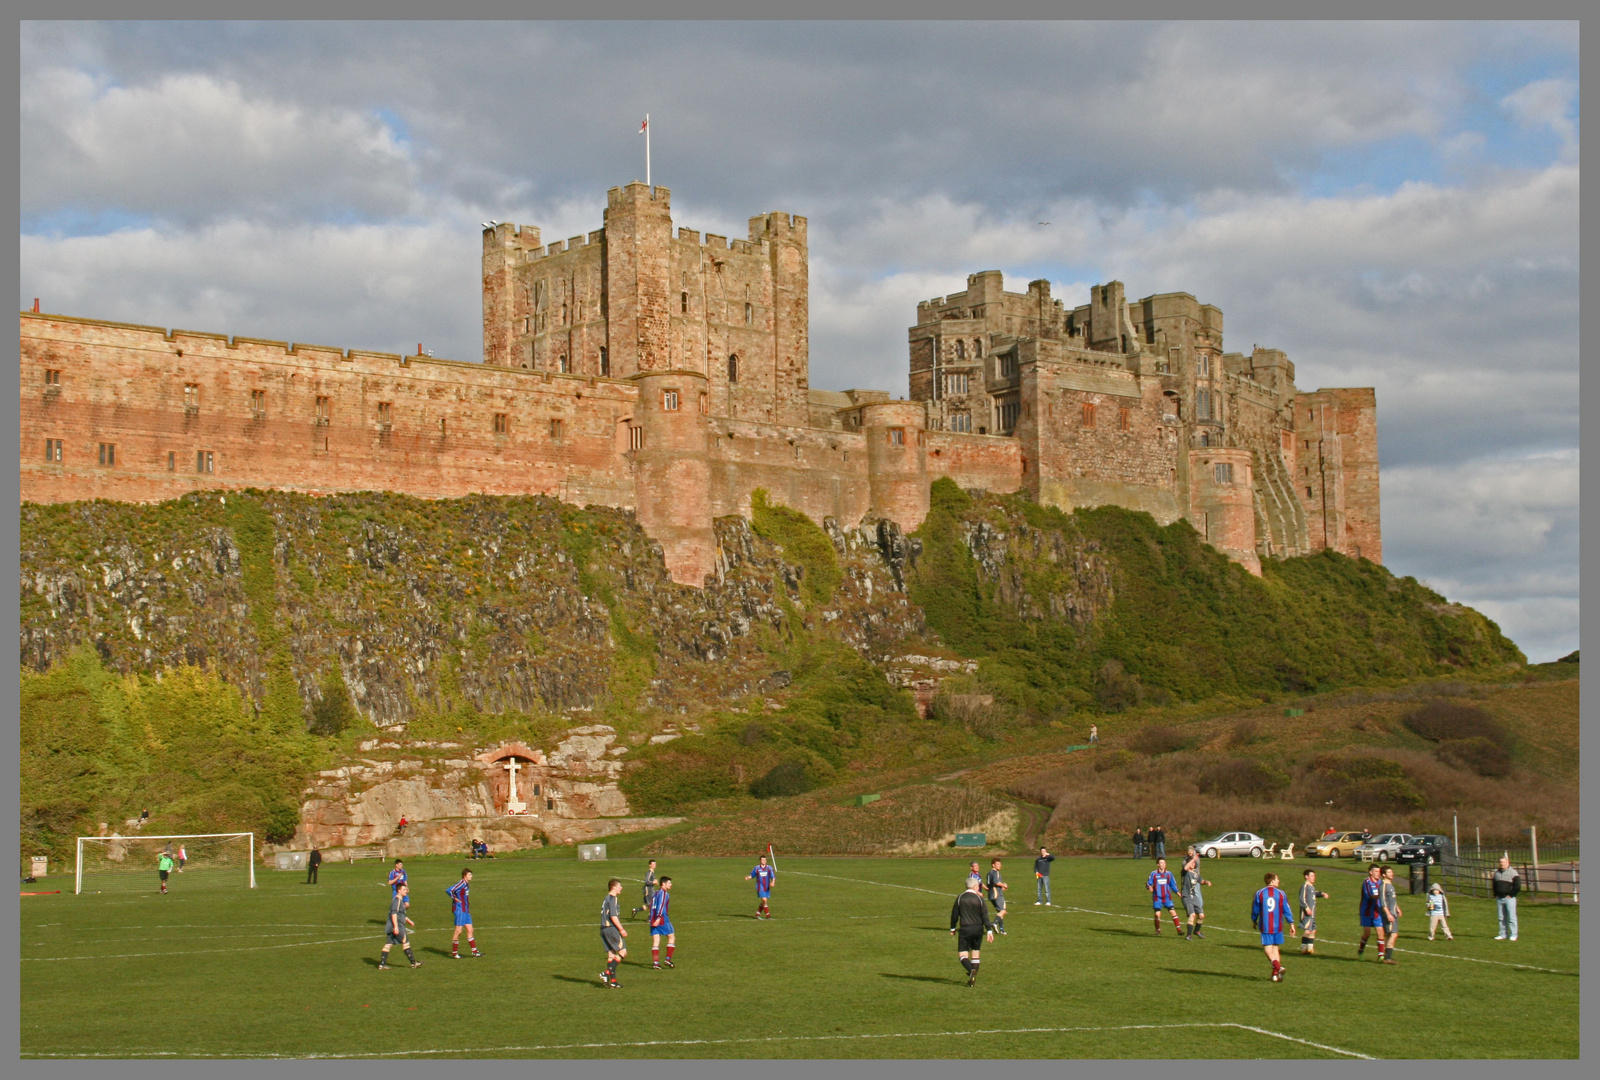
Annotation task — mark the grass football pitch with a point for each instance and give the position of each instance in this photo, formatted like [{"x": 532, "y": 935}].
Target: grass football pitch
[{"x": 858, "y": 962}]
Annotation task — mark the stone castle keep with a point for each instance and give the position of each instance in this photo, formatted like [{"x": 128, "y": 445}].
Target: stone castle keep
[{"x": 669, "y": 374}]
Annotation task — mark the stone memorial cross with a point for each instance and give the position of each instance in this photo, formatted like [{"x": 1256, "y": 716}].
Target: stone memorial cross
[{"x": 512, "y": 805}]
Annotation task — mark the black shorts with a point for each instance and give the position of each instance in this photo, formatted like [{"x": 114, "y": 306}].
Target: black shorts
[
  {"x": 969, "y": 941},
  {"x": 163, "y": 874}
]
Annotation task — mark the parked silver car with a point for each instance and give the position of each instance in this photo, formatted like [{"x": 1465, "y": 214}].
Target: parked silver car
[
  {"x": 1233, "y": 843},
  {"x": 1383, "y": 847}
]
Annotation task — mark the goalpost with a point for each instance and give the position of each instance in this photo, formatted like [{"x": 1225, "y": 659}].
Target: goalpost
[{"x": 128, "y": 863}]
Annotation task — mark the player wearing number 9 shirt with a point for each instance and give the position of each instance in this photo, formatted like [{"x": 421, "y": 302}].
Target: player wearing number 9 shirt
[{"x": 1270, "y": 915}]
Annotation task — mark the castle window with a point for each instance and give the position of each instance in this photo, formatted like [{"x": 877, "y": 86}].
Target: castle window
[
  {"x": 442, "y": 430},
  {"x": 961, "y": 421},
  {"x": 258, "y": 403},
  {"x": 563, "y": 365},
  {"x": 669, "y": 400},
  {"x": 108, "y": 453},
  {"x": 205, "y": 461},
  {"x": 1203, "y": 366},
  {"x": 636, "y": 438},
  {"x": 897, "y": 436},
  {"x": 1124, "y": 420},
  {"x": 52, "y": 449},
  {"x": 961, "y": 350},
  {"x": 52, "y": 377},
  {"x": 1150, "y": 333},
  {"x": 683, "y": 302},
  {"x": 1009, "y": 410},
  {"x": 749, "y": 315},
  {"x": 1202, "y": 405},
  {"x": 191, "y": 397},
  {"x": 956, "y": 384},
  {"x": 502, "y": 423},
  {"x": 385, "y": 413},
  {"x": 605, "y": 361},
  {"x": 1205, "y": 438},
  {"x": 1308, "y": 493},
  {"x": 1222, "y": 472},
  {"x": 172, "y": 461},
  {"x": 1105, "y": 296},
  {"x": 1008, "y": 365},
  {"x": 1124, "y": 342},
  {"x": 549, "y": 804},
  {"x": 977, "y": 349},
  {"x": 733, "y": 368},
  {"x": 565, "y": 315},
  {"x": 555, "y": 430},
  {"x": 324, "y": 410},
  {"x": 1088, "y": 415}
]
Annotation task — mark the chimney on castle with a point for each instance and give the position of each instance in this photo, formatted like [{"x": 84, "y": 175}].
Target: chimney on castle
[
  {"x": 36, "y": 305},
  {"x": 419, "y": 348}
]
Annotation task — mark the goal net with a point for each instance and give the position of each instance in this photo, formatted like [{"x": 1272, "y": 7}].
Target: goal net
[{"x": 131, "y": 863}]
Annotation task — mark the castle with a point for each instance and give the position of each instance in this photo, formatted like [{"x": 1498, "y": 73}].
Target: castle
[{"x": 669, "y": 374}]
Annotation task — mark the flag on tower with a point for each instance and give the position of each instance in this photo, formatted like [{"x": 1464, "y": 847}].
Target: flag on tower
[
  {"x": 644, "y": 129},
  {"x": 644, "y": 126}
]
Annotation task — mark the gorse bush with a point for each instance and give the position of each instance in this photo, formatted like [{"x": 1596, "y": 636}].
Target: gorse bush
[
  {"x": 182, "y": 743},
  {"x": 1160, "y": 739},
  {"x": 1482, "y": 755},
  {"x": 803, "y": 543},
  {"x": 1368, "y": 782},
  {"x": 1179, "y": 617},
  {"x": 1242, "y": 778},
  {"x": 784, "y": 778}
]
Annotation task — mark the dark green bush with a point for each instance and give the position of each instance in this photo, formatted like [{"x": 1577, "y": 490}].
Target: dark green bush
[
  {"x": 1440, "y": 721},
  {"x": 1159, "y": 739},
  {"x": 333, "y": 712},
  {"x": 803, "y": 543},
  {"x": 1368, "y": 782},
  {"x": 1243, "y": 778},
  {"x": 785, "y": 778},
  {"x": 1482, "y": 755},
  {"x": 1115, "y": 689}
]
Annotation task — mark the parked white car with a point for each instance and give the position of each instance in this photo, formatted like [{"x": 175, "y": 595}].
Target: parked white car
[
  {"x": 1383, "y": 847},
  {"x": 1233, "y": 843}
]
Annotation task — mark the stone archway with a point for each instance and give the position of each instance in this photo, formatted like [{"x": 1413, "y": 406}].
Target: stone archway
[{"x": 517, "y": 778}]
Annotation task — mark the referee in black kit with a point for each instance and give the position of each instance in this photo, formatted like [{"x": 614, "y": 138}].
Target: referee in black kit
[{"x": 969, "y": 921}]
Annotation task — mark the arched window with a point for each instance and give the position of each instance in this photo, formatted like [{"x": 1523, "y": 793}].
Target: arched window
[
  {"x": 605, "y": 361},
  {"x": 749, "y": 315},
  {"x": 562, "y": 364},
  {"x": 961, "y": 350},
  {"x": 977, "y": 348},
  {"x": 683, "y": 302},
  {"x": 733, "y": 368}
]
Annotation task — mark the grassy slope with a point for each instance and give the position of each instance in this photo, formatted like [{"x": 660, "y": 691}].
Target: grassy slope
[{"x": 287, "y": 970}]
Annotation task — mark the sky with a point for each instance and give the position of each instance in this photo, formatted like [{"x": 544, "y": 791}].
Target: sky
[{"x": 1395, "y": 205}]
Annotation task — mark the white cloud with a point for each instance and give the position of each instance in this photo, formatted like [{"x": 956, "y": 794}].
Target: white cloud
[{"x": 1548, "y": 103}]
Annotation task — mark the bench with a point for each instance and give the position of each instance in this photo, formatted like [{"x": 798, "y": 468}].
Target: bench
[{"x": 372, "y": 851}]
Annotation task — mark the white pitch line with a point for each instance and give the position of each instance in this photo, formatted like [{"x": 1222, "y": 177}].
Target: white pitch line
[
  {"x": 480, "y": 1051},
  {"x": 1332, "y": 941},
  {"x": 195, "y": 952}
]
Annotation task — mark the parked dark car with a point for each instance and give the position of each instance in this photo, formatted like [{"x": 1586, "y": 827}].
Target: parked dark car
[{"x": 1423, "y": 849}]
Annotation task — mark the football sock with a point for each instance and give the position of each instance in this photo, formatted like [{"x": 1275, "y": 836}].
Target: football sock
[
  {"x": 975, "y": 963},
  {"x": 669, "y": 951},
  {"x": 472, "y": 943},
  {"x": 611, "y": 970},
  {"x": 966, "y": 962},
  {"x": 413, "y": 959},
  {"x": 655, "y": 956},
  {"x": 455, "y": 948}
]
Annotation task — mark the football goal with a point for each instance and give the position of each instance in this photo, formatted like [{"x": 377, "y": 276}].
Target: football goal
[{"x": 131, "y": 863}]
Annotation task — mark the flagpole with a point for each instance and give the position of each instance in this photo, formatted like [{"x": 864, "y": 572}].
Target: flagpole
[{"x": 647, "y": 150}]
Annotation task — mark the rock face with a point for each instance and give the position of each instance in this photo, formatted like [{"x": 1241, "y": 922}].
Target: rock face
[
  {"x": 448, "y": 800},
  {"x": 499, "y": 603}
]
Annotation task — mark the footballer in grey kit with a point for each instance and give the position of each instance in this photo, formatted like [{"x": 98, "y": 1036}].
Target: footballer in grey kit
[
  {"x": 1194, "y": 903},
  {"x": 1309, "y": 895},
  {"x": 997, "y": 894},
  {"x": 612, "y": 932}
]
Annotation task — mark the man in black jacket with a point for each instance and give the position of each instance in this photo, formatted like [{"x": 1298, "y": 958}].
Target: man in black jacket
[
  {"x": 1507, "y": 884},
  {"x": 1041, "y": 878},
  {"x": 969, "y": 920},
  {"x": 1138, "y": 842},
  {"x": 1158, "y": 842},
  {"x": 314, "y": 861}
]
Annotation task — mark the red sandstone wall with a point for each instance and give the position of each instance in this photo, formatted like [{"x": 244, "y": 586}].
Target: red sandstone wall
[
  {"x": 124, "y": 385},
  {"x": 819, "y": 472},
  {"x": 990, "y": 462}
]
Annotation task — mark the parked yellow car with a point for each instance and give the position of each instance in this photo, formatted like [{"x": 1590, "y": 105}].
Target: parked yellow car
[{"x": 1339, "y": 846}]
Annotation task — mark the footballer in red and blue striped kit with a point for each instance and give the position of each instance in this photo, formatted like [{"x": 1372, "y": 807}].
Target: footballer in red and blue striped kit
[
  {"x": 1269, "y": 914},
  {"x": 1163, "y": 888},
  {"x": 661, "y": 924},
  {"x": 764, "y": 876},
  {"x": 461, "y": 908}
]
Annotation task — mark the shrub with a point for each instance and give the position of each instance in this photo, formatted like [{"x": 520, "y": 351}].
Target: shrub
[
  {"x": 1241, "y": 778},
  {"x": 978, "y": 714},
  {"x": 1116, "y": 759},
  {"x": 1440, "y": 721},
  {"x": 1158, "y": 739},
  {"x": 785, "y": 778},
  {"x": 803, "y": 542},
  {"x": 1368, "y": 782},
  {"x": 1483, "y": 756},
  {"x": 1244, "y": 733},
  {"x": 754, "y": 733},
  {"x": 333, "y": 712},
  {"x": 1115, "y": 689}
]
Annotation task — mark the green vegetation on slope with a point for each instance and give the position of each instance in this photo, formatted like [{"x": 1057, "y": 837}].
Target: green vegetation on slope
[
  {"x": 1184, "y": 620},
  {"x": 97, "y": 747},
  {"x": 803, "y": 543}
]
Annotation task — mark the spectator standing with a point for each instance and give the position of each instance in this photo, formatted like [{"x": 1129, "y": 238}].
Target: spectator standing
[
  {"x": 1138, "y": 843},
  {"x": 1041, "y": 878},
  {"x": 1438, "y": 912},
  {"x": 1094, "y": 734},
  {"x": 1507, "y": 884},
  {"x": 313, "y": 861},
  {"x": 1158, "y": 842},
  {"x": 1330, "y": 831}
]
